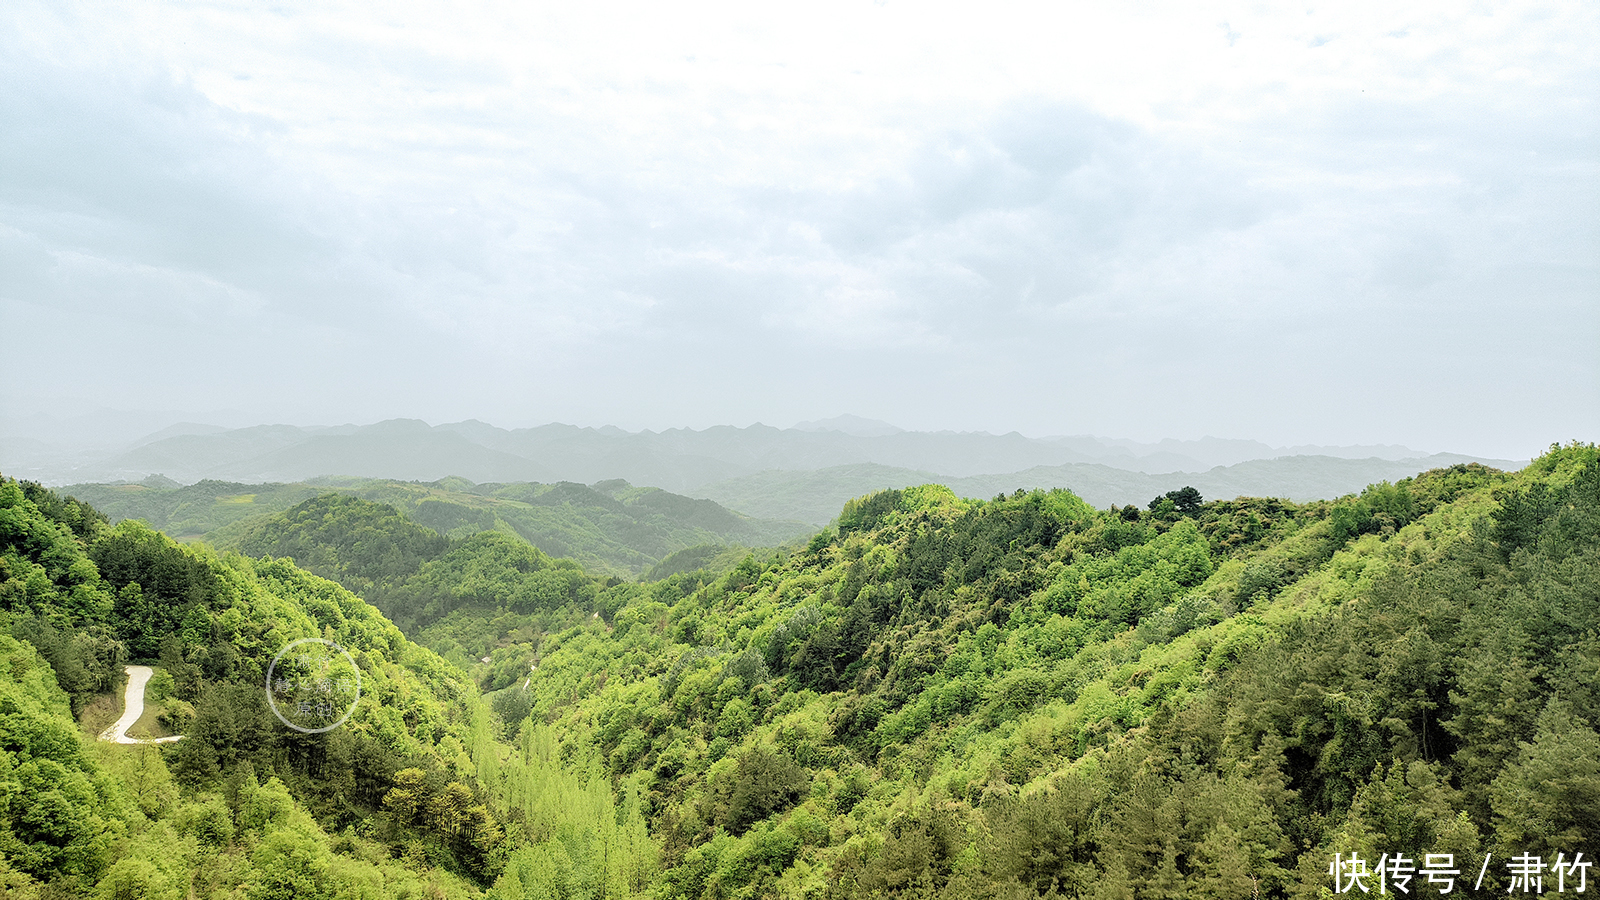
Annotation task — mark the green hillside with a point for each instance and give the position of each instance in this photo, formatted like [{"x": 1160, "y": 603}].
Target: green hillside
[
  {"x": 1031, "y": 697},
  {"x": 611, "y": 527},
  {"x": 1019, "y": 697},
  {"x": 1028, "y": 697},
  {"x": 412, "y": 796}
]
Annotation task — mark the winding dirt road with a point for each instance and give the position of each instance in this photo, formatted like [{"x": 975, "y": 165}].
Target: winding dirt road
[{"x": 132, "y": 709}]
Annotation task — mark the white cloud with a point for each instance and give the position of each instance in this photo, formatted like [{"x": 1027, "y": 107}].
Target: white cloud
[{"x": 949, "y": 198}]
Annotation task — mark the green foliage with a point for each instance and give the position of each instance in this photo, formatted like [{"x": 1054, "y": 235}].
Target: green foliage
[
  {"x": 194, "y": 510},
  {"x": 215, "y": 622},
  {"x": 86, "y": 661},
  {"x": 50, "y": 796},
  {"x": 363, "y": 545},
  {"x": 412, "y": 573},
  {"x": 1023, "y": 697},
  {"x": 867, "y": 513},
  {"x": 83, "y": 520},
  {"x": 161, "y": 588},
  {"x": 1548, "y": 797},
  {"x": 714, "y": 559},
  {"x": 613, "y": 528},
  {"x": 1185, "y": 501},
  {"x": 763, "y": 782},
  {"x": 43, "y": 566}
]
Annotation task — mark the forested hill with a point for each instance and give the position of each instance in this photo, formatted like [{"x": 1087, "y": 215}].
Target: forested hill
[
  {"x": 414, "y": 574},
  {"x": 1020, "y": 697},
  {"x": 412, "y": 796},
  {"x": 1028, "y": 697},
  {"x": 612, "y": 527}
]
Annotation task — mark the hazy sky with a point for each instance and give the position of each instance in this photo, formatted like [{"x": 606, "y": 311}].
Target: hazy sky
[{"x": 1333, "y": 223}]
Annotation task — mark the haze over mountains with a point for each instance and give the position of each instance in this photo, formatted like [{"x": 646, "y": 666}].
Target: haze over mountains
[{"x": 801, "y": 473}]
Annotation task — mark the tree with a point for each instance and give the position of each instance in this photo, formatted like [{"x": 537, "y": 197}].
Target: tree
[
  {"x": 764, "y": 783},
  {"x": 1185, "y": 500},
  {"x": 1548, "y": 798}
]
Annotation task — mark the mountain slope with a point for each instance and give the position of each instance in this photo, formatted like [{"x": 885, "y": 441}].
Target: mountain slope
[
  {"x": 611, "y": 527},
  {"x": 1009, "y": 698},
  {"x": 411, "y": 795},
  {"x": 1026, "y": 697}
]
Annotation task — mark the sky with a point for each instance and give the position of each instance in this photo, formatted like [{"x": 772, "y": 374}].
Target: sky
[{"x": 1291, "y": 222}]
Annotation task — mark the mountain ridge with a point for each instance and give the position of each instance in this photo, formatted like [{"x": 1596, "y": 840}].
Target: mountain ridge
[
  {"x": 614, "y": 528},
  {"x": 681, "y": 460},
  {"x": 814, "y": 496}
]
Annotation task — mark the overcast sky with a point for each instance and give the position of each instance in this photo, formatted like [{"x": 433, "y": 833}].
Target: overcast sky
[{"x": 1329, "y": 223}]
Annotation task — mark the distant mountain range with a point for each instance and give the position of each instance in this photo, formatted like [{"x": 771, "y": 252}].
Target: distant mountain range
[{"x": 805, "y": 472}]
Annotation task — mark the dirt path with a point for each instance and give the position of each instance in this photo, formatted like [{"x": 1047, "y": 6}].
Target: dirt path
[{"x": 132, "y": 709}]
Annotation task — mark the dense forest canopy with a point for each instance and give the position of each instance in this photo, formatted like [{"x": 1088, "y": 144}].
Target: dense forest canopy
[
  {"x": 412, "y": 797},
  {"x": 936, "y": 697}
]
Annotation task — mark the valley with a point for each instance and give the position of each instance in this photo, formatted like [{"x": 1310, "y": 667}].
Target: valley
[{"x": 932, "y": 697}]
